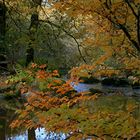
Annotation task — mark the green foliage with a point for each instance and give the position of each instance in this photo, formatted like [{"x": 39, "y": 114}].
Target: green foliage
[
  {"x": 11, "y": 95},
  {"x": 48, "y": 44},
  {"x": 1, "y": 126},
  {"x": 36, "y": 76},
  {"x": 21, "y": 76}
]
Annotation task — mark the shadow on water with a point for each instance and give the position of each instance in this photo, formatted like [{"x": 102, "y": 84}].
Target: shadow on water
[
  {"x": 2, "y": 124},
  {"x": 31, "y": 134}
]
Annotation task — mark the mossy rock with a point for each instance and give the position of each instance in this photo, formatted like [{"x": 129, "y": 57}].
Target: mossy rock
[
  {"x": 136, "y": 85},
  {"x": 90, "y": 80},
  {"x": 113, "y": 81},
  {"x": 96, "y": 91}
]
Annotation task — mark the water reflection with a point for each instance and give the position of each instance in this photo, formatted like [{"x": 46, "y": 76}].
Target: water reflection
[
  {"x": 2, "y": 124},
  {"x": 23, "y": 136},
  {"x": 38, "y": 134},
  {"x": 111, "y": 103},
  {"x": 108, "y": 89},
  {"x": 31, "y": 134},
  {"x": 6, "y": 133}
]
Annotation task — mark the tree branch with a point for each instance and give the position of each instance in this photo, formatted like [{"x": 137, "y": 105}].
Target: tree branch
[
  {"x": 78, "y": 45},
  {"x": 130, "y": 6},
  {"x": 123, "y": 27},
  {"x": 138, "y": 26},
  {"x": 59, "y": 27}
]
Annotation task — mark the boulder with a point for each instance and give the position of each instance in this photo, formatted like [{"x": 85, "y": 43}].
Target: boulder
[
  {"x": 90, "y": 80},
  {"x": 96, "y": 91},
  {"x": 114, "y": 81}
]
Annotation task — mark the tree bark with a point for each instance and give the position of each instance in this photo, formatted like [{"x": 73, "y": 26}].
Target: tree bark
[
  {"x": 31, "y": 134},
  {"x": 2, "y": 19},
  {"x": 138, "y": 26},
  {"x": 2, "y": 33},
  {"x": 135, "y": 43},
  {"x": 3, "y": 124},
  {"x": 32, "y": 31}
]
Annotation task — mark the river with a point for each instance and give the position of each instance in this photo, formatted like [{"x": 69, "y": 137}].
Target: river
[{"x": 112, "y": 102}]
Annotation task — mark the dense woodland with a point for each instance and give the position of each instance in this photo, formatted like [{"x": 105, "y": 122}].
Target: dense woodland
[{"x": 49, "y": 46}]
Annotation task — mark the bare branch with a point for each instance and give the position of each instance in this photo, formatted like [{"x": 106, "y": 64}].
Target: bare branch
[
  {"x": 78, "y": 45},
  {"x": 59, "y": 27}
]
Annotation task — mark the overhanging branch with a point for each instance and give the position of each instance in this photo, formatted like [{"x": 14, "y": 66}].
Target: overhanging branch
[{"x": 132, "y": 9}]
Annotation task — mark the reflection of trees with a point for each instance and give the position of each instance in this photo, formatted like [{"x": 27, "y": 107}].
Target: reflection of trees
[
  {"x": 2, "y": 125},
  {"x": 31, "y": 134}
]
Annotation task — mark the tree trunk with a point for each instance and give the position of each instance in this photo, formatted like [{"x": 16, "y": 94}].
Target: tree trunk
[
  {"x": 2, "y": 20},
  {"x": 32, "y": 32},
  {"x": 2, "y": 34},
  {"x": 138, "y": 26},
  {"x": 2, "y": 124},
  {"x": 31, "y": 134}
]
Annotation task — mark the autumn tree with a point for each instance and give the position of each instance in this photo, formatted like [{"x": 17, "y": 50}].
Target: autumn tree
[
  {"x": 123, "y": 15},
  {"x": 111, "y": 26}
]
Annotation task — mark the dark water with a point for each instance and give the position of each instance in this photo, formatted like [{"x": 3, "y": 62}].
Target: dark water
[{"x": 110, "y": 102}]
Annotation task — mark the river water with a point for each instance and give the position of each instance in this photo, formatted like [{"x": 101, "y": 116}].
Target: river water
[
  {"x": 6, "y": 115},
  {"x": 126, "y": 90}
]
